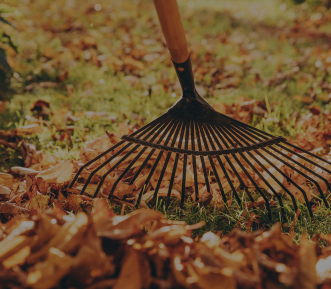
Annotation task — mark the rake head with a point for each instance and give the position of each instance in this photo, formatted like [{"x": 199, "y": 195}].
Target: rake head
[{"x": 192, "y": 145}]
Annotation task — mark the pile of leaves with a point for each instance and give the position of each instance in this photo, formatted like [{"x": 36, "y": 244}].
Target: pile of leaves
[{"x": 145, "y": 250}]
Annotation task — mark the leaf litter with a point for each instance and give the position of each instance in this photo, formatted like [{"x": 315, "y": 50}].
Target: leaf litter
[
  {"x": 143, "y": 249},
  {"x": 52, "y": 236}
]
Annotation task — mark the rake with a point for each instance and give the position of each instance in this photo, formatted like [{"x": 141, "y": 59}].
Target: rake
[{"x": 212, "y": 145}]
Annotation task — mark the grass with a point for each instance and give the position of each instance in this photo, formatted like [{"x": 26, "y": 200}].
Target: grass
[{"x": 223, "y": 29}]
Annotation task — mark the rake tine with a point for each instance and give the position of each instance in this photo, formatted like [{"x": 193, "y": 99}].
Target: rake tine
[
  {"x": 157, "y": 121},
  {"x": 287, "y": 178},
  {"x": 220, "y": 161},
  {"x": 261, "y": 133},
  {"x": 184, "y": 165},
  {"x": 293, "y": 168},
  {"x": 149, "y": 178},
  {"x": 242, "y": 183},
  {"x": 249, "y": 176},
  {"x": 156, "y": 162},
  {"x": 102, "y": 165},
  {"x": 92, "y": 161},
  {"x": 202, "y": 159},
  {"x": 135, "y": 159},
  {"x": 111, "y": 170},
  {"x": 308, "y": 153},
  {"x": 125, "y": 172},
  {"x": 164, "y": 133},
  {"x": 166, "y": 162},
  {"x": 301, "y": 173},
  {"x": 283, "y": 174},
  {"x": 307, "y": 160},
  {"x": 110, "y": 159},
  {"x": 213, "y": 165},
  {"x": 315, "y": 164},
  {"x": 176, "y": 163},
  {"x": 195, "y": 174},
  {"x": 264, "y": 168}
]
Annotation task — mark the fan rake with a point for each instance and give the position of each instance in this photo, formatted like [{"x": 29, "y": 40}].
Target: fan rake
[{"x": 197, "y": 144}]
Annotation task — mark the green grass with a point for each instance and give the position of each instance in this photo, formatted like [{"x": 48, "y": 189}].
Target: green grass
[{"x": 243, "y": 26}]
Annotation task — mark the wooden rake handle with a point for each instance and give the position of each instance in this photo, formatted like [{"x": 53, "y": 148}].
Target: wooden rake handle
[{"x": 172, "y": 29}]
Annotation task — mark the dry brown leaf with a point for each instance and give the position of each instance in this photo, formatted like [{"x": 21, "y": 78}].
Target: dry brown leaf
[
  {"x": 6, "y": 180},
  {"x": 67, "y": 239},
  {"x": 60, "y": 116},
  {"x": 91, "y": 262},
  {"x": 120, "y": 227},
  {"x": 8, "y": 208},
  {"x": 304, "y": 99},
  {"x": 29, "y": 129},
  {"x": 161, "y": 193},
  {"x": 133, "y": 64},
  {"x": 39, "y": 202},
  {"x": 135, "y": 272},
  {"x": 73, "y": 202},
  {"x": 47, "y": 274},
  {"x": 10, "y": 246},
  {"x": 59, "y": 174},
  {"x": 4, "y": 190},
  {"x": 18, "y": 258}
]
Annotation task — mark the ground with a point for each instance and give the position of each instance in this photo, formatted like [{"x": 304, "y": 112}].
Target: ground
[{"x": 103, "y": 66}]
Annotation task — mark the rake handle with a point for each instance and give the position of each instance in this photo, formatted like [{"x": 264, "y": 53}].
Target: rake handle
[{"x": 172, "y": 28}]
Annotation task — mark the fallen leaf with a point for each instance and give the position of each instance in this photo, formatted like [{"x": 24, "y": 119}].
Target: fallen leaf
[
  {"x": 59, "y": 174},
  {"x": 29, "y": 129}
]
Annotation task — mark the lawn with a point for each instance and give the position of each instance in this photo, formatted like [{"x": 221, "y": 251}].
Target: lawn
[{"x": 86, "y": 67}]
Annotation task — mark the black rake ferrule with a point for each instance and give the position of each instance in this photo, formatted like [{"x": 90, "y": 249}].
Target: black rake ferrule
[{"x": 185, "y": 75}]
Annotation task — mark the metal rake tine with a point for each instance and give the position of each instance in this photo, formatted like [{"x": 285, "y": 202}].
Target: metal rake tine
[
  {"x": 220, "y": 161},
  {"x": 175, "y": 164},
  {"x": 242, "y": 183},
  {"x": 202, "y": 159},
  {"x": 249, "y": 176},
  {"x": 111, "y": 158},
  {"x": 295, "y": 153},
  {"x": 261, "y": 133},
  {"x": 285, "y": 176},
  {"x": 307, "y": 160},
  {"x": 164, "y": 133},
  {"x": 173, "y": 174},
  {"x": 92, "y": 161},
  {"x": 166, "y": 162},
  {"x": 125, "y": 172},
  {"x": 298, "y": 187},
  {"x": 149, "y": 178},
  {"x": 306, "y": 176},
  {"x": 309, "y": 153},
  {"x": 233, "y": 131},
  {"x": 102, "y": 165},
  {"x": 156, "y": 162},
  {"x": 111, "y": 170},
  {"x": 213, "y": 165},
  {"x": 135, "y": 159},
  {"x": 161, "y": 119},
  {"x": 184, "y": 165},
  {"x": 118, "y": 163},
  {"x": 195, "y": 172}
]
